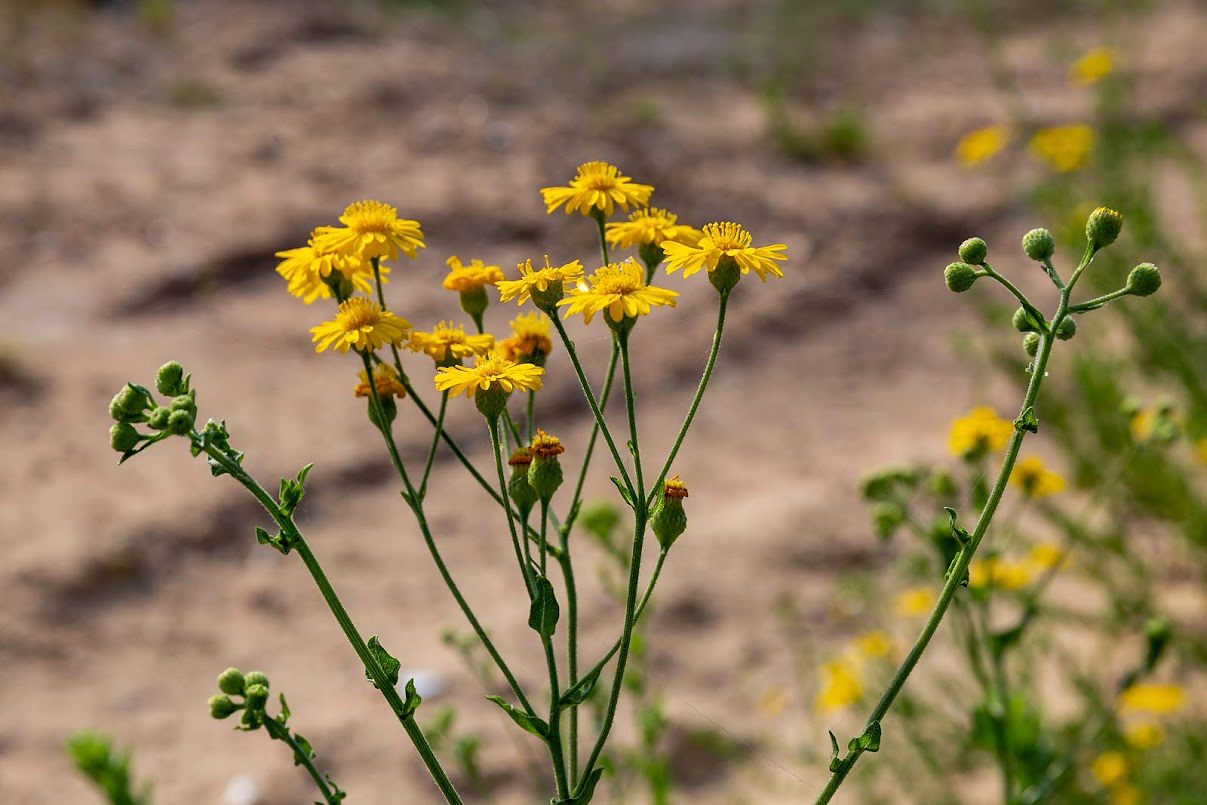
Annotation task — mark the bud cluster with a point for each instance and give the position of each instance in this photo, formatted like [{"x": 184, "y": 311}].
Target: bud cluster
[
  {"x": 135, "y": 404},
  {"x": 251, "y": 687}
]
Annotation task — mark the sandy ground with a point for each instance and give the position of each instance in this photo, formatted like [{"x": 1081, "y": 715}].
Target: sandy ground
[{"x": 145, "y": 182}]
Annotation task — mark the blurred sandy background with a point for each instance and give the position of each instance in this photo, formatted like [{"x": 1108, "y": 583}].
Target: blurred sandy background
[{"x": 153, "y": 157}]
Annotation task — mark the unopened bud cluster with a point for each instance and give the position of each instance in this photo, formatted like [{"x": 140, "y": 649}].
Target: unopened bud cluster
[
  {"x": 135, "y": 404},
  {"x": 252, "y": 688}
]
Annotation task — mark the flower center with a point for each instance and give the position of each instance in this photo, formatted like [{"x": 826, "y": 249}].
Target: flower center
[
  {"x": 366, "y": 217},
  {"x": 597, "y": 176},
  {"x": 726, "y": 236},
  {"x": 618, "y": 279},
  {"x": 358, "y": 314}
]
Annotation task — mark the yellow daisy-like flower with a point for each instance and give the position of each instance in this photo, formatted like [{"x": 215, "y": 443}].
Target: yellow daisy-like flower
[
  {"x": 994, "y": 571},
  {"x": 1152, "y": 698},
  {"x": 1096, "y": 64},
  {"x": 619, "y": 289},
  {"x": 385, "y": 380},
  {"x": 530, "y": 340},
  {"x": 489, "y": 372},
  {"x": 840, "y": 686},
  {"x": 470, "y": 277},
  {"x": 307, "y": 268},
  {"x": 980, "y": 144},
  {"x": 373, "y": 229},
  {"x": 650, "y": 225},
  {"x": 721, "y": 240},
  {"x": 538, "y": 280},
  {"x": 1035, "y": 479},
  {"x": 915, "y": 601},
  {"x": 1063, "y": 148},
  {"x": 598, "y": 186},
  {"x": 1109, "y": 768},
  {"x": 445, "y": 341},
  {"x": 980, "y": 431},
  {"x": 874, "y": 644},
  {"x": 362, "y": 325},
  {"x": 1143, "y": 736}
]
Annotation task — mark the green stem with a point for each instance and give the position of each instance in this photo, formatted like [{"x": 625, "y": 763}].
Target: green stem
[
  {"x": 571, "y": 649},
  {"x": 604, "y": 394},
  {"x": 695, "y": 404},
  {"x": 301, "y": 757},
  {"x": 544, "y": 543},
  {"x": 381, "y": 298},
  {"x": 492, "y": 423},
  {"x": 531, "y": 430},
  {"x": 1099, "y": 301},
  {"x": 1009, "y": 286},
  {"x": 603, "y": 240},
  {"x": 374, "y": 669},
  {"x": 431, "y": 453},
  {"x": 959, "y": 567},
  {"x": 555, "y": 718}
]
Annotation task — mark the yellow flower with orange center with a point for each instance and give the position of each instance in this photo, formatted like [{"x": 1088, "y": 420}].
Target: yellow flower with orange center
[
  {"x": 446, "y": 341},
  {"x": 721, "y": 240},
  {"x": 650, "y": 225},
  {"x": 980, "y": 431},
  {"x": 1035, "y": 479},
  {"x": 489, "y": 372},
  {"x": 538, "y": 280},
  {"x": 980, "y": 144},
  {"x": 307, "y": 268},
  {"x": 620, "y": 290},
  {"x": 597, "y": 186},
  {"x": 361, "y": 325},
  {"x": 530, "y": 342},
  {"x": 470, "y": 277},
  {"x": 385, "y": 380},
  {"x": 1063, "y": 148},
  {"x": 373, "y": 229}
]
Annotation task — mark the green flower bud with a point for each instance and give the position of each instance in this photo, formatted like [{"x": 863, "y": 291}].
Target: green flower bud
[
  {"x": 1024, "y": 322},
  {"x": 1102, "y": 227},
  {"x": 886, "y": 517},
  {"x": 158, "y": 418},
  {"x": 231, "y": 681},
  {"x": 546, "y": 300},
  {"x": 117, "y": 408},
  {"x": 521, "y": 492},
  {"x": 623, "y": 326},
  {"x": 169, "y": 379},
  {"x": 668, "y": 520},
  {"x": 1144, "y": 280},
  {"x": 221, "y": 706},
  {"x": 545, "y": 474},
  {"x": 491, "y": 401},
  {"x": 959, "y": 277},
  {"x": 1039, "y": 245},
  {"x": 1031, "y": 344},
  {"x": 257, "y": 696},
  {"x": 128, "y": 404},
  {"x": 651, "y": 253},
  {"x": 383, "y": 416},
  {"x": 726, "y": 275},
  {"x": 123, "y": 437},
  {"x": 256, "y": 678},
  {"x": 1067, "y": 329},
  {"x": 184, "y": 402},
  {"x": 254, "y": 719},
  {"x": 974, "y": 251},
  {"x": 181, "y": 422},
  {"x": 474, "y": 302}
]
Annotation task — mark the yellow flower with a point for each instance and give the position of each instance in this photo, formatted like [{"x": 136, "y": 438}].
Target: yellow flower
[
  {"x": 721, "y": 240},
  {"x": 307, "y": 268},
  {"x": 598, "y": 186},
  {"x": 489, "y": 372},
  {"x": 981, "y": 431},
  {"x": 471, "y": 277},
  {"x": 650, "y": 225},
  {"x": 674, "y": 489},
  {"x": 1046, "y": 555},
  {"x": 1064, "y": 148},
  {"x": 874, "y": 644},
  {"x": 373, "y": 229},
  {"x": 385, "y": 380},
  {"x": 915, "y": 601},
  {"x": 619, "y": 289},
  {"x": 1143, "y": 736},
  {"x": 530, "y": 341},
  {"x": 538, "y": 280},
  {"x": 1109, "y": 768},
  {"x": 841, "y": 686},
  {"x": 445, "y": 342},
  {"x": 1125, "y": 794},
  {"x": 980, "y": 144},
  {"x": 1200, "y": 447},
  {"x": 1096, "y": 64},
  {"x": 994, "y": 571},
  {"x": 362, "y": 325},
  {"x": 545, "y": 446},
  {"x": 1035, "y": 479},
  {"x": 1152, "y": 698}
]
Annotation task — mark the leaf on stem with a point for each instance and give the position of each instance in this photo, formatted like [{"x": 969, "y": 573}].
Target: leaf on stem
[
  {"x": 533, "y": 724},
  {"x": 1027, "y": 420},
  {"x": 544, "y": 612},
  {"x": 958, "y": 533},
  {"x": 586, "y": 789},
  {"x": 835, "y": 760},
  {"x": 389, "y": 665},
  {"x": 869, "y": 741},
  {"x": 581, "y": 690},
  {"x": 412, "y": 702},
  {"x": 624, "y": 491}
]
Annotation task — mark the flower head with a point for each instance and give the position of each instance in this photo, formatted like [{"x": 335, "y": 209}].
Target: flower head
[
  {"x": 385, "y": 380},
  {"x": 1063, "y": 148},
  {"x": 541, "y": 282},
  {"x": 979, "y": 145},
  {"x": 994, "y": 571},
  {"x": 874, "y": 644},
  {"x": 597, "y": 186},
  {"x": 373, "y": 229},
  {"x": 650, "y": 225},
  {"x": 362, "y": 325},
  {"x": 470, "y": 277},
  {"x": 979, "y": 432},
  {"x": 1110, "y": 768},
  {"x": 840, "y": 686},
  {"x": 915, "y": 601},
  {"x": 724, "y": 240},
  {"x": 545, "y": 446},
  {"x": 446, "y": 342},
  {"x": 1094, "y": 65},
  {"x": 1035, "y": 479},
  {"x": 619, "y": 289},
  {"x": 1152, "y": 698},
  {"x": 674, "y": 488},
  {"x": 489, "y": 372},
  {"x": 530, "y": 342},
  {"x": 307, "y": 269},
  {"x": 1046, "y": 555},
  {"x": 1143, "y": 735}
]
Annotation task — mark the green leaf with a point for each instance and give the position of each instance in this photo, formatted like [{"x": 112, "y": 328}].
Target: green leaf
[
  {"x": 388, "y": 664},
  {"x": 869, "y": 741},
  {"x": 624, "y": 491},
  {"x": 586, "y": 789},
  {"x": 284, "y": 716},
  {"x": 581, "y": 690},
  {"x": 304, "y": 745},
  {"x": 528, "y": 723},
  {"x": 544, "y": 612},
  {"x": 959, "y": 534},
  {"x": 835, "y": 761},
  {"x": 413, "y": 699},
  {"x": 1027, "y": 420}
]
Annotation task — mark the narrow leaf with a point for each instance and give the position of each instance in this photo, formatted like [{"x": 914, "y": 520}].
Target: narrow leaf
[
  {"x": 624, "y": 490},
  {"x": 413, "y": 700},
  {"x": 544, "y": 612},
  {"x": 835, "y": 761},
  {"x": 586, "y": 789},
  {"x": 581, "y": 690},
  {"x": 528, "y": 723}
]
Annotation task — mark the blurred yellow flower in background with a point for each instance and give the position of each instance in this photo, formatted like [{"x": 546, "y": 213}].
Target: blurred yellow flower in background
[
  {"x": 1094, "y": 65},
  {"x": 994, "y": 571},
  {"x": 840, "y": 687},
  {"x": 980, "y": 431},
  {"x": 1109, "y": 768},
  {"x": 915, "y": 601},
  {"x": 874, "y": 644},
  {"x": 979, "y": 145},
  {"x": 1035, "y": 479},
  {"x": 1143, "y": 736},
  {"x": 1152, "y": 698},
  {"x": 1046, "y": 555},
  {"x": 1063, "y": 148}
]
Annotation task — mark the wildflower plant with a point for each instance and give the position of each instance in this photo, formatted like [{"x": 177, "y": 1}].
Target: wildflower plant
[{"x": 536, "y": 481}]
